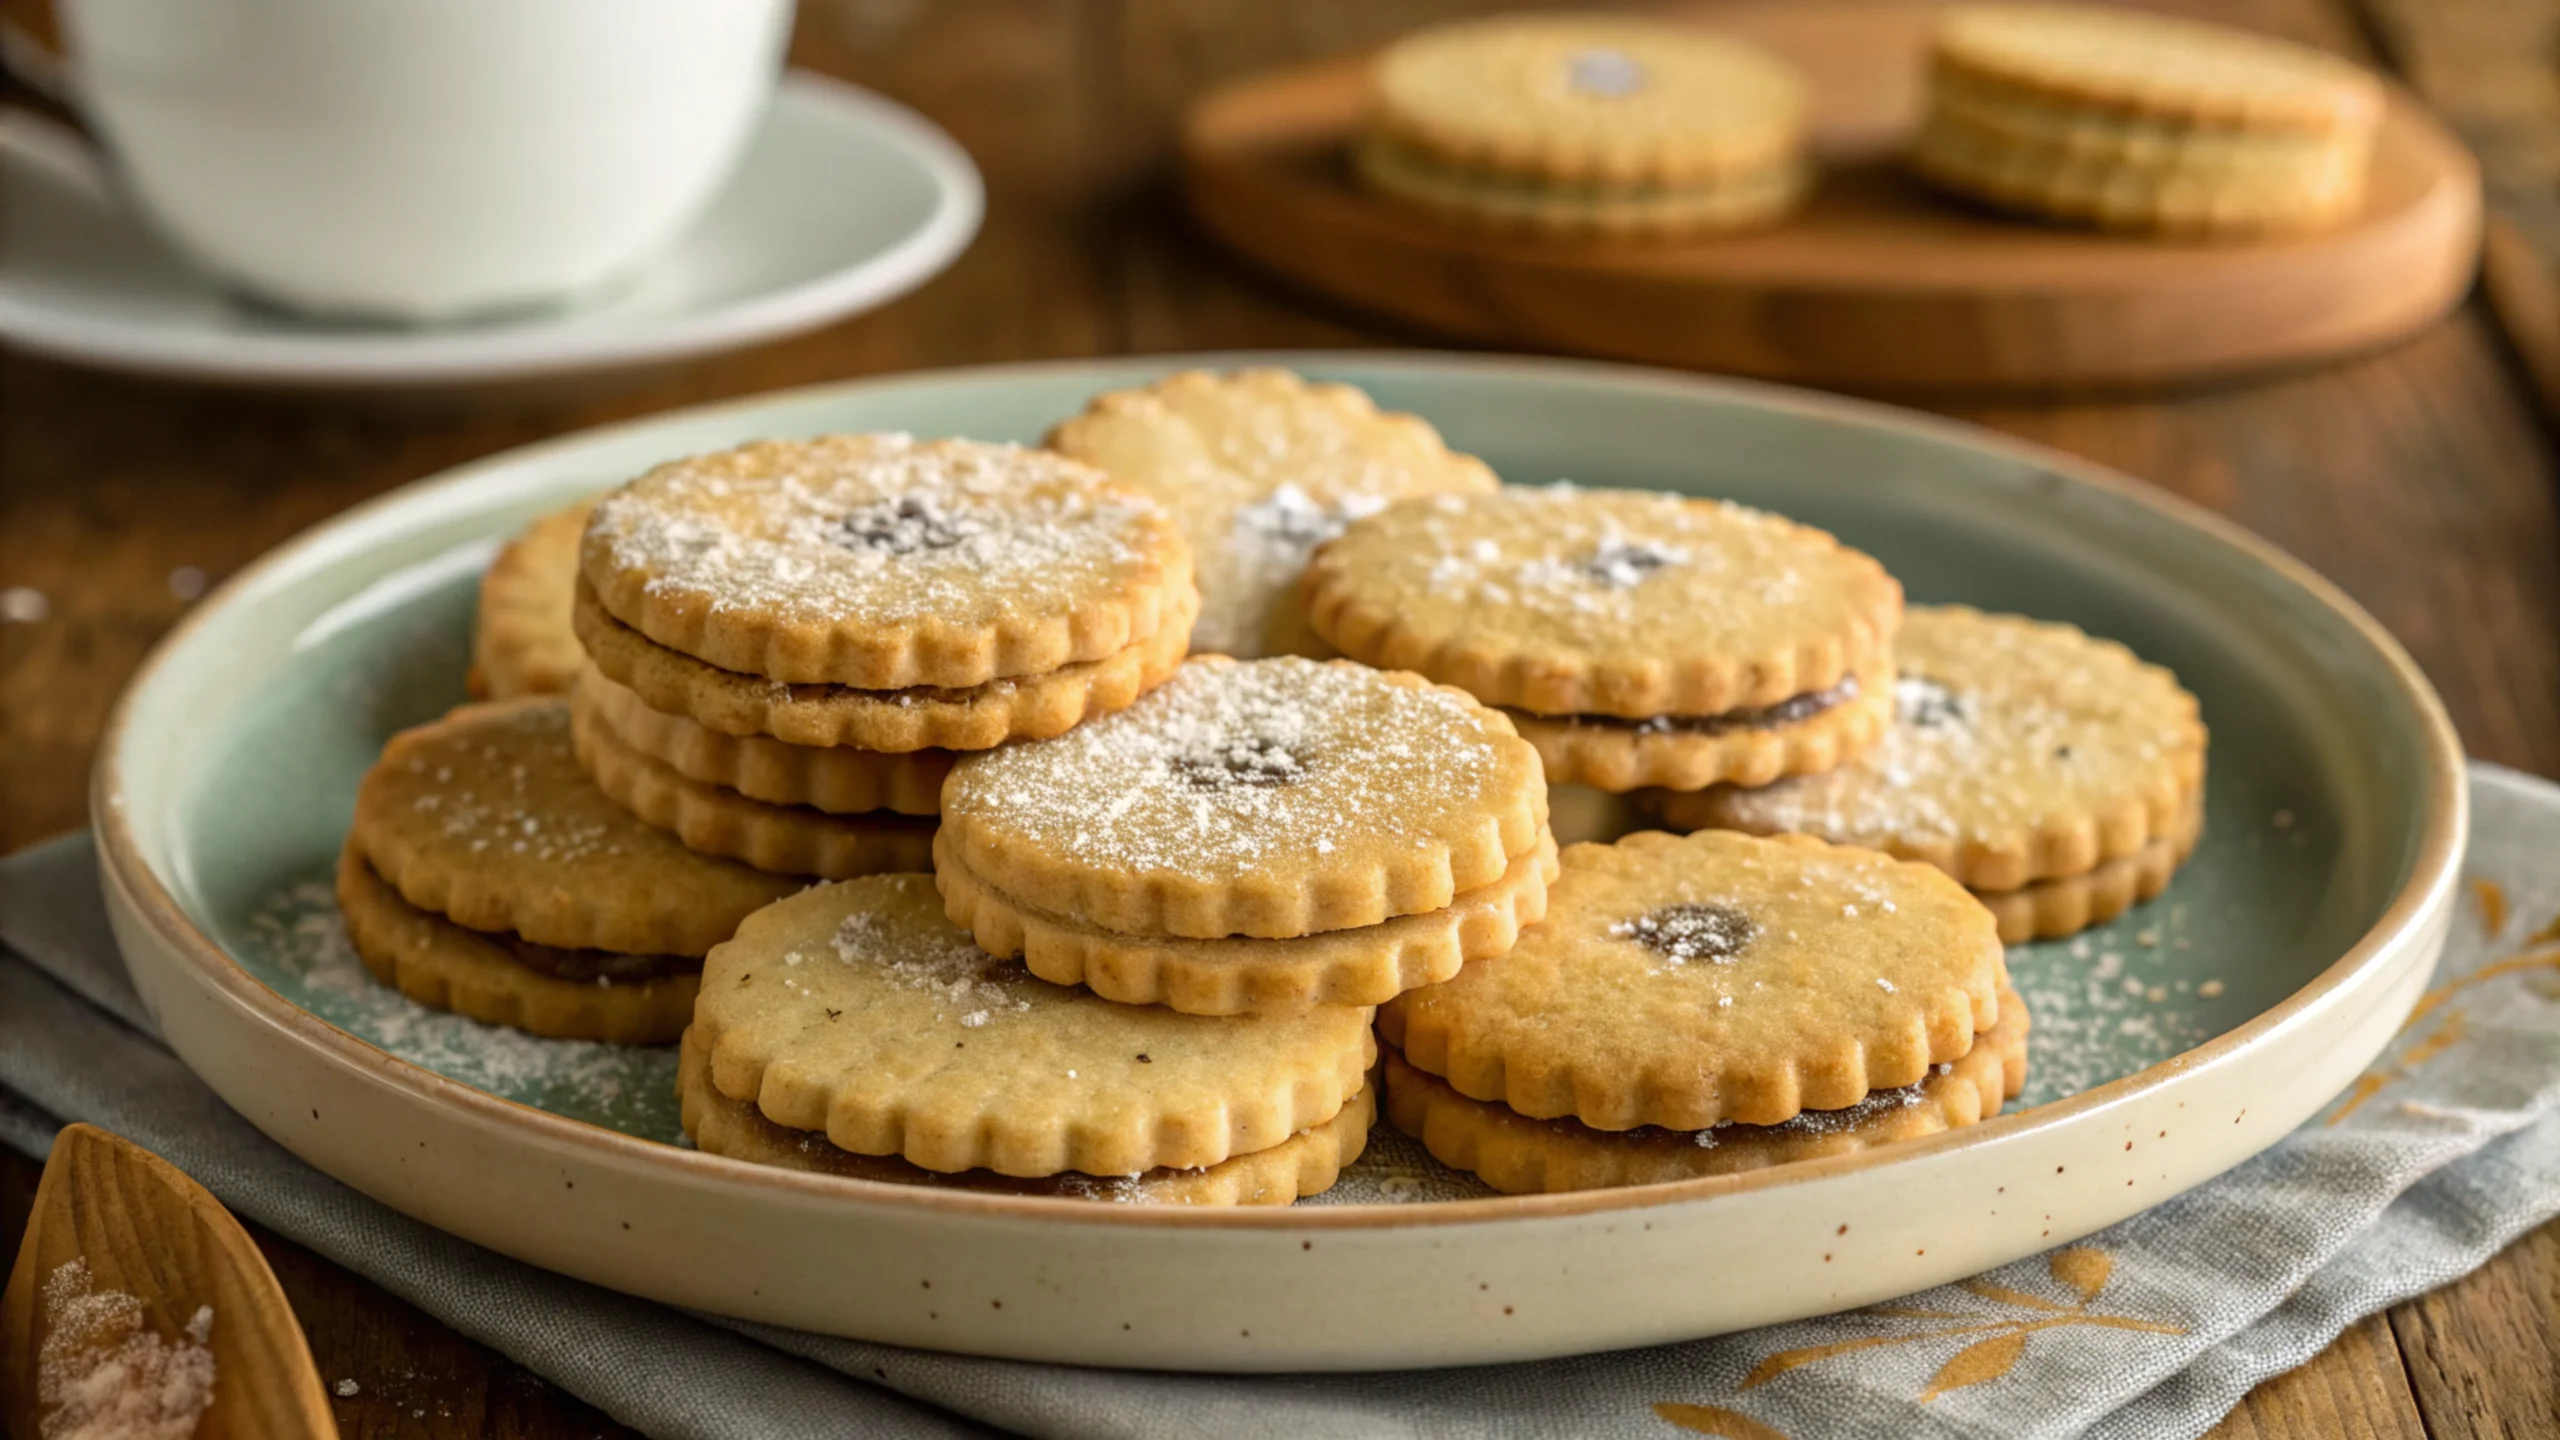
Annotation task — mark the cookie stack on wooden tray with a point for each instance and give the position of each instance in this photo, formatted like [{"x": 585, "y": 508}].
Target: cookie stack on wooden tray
[
  {"x": 792, "y": 640},
  {"x": 1710, "y": 1004},
  {"x": 2058, "y": 776},
  {"x": 2144, "y": 122},
  {"x": 1591, "y": 127}
]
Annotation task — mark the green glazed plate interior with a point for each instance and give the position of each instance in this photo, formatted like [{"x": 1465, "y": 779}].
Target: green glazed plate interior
[{"x": 2314, "y": 806}]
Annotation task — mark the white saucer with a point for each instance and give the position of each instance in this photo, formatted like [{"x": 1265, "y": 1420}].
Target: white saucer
[{"x": 843, "y": 202}]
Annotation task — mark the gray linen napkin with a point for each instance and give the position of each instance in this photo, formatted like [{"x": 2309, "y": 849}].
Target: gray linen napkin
[{"x": 2153, "y": 1328}]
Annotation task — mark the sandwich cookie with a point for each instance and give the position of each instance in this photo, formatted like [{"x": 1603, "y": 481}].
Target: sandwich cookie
[
  {"x": 857, "y": 1011},
  {"x": 1521, "y": 1156},
  {"x": 1272, "y": 799},
  {"x": 1259, "y": 467},
  {"x": 487, "y": 875},
  {"x": 1634, "y": 636},
  {"x": 1685, "y": 983},
  {"x": 1593, "y": 127},
  {"x": 2056, "y": 774}
]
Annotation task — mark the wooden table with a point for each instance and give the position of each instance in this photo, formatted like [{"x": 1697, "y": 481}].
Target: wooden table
[{"x": 2421, "y": 479}]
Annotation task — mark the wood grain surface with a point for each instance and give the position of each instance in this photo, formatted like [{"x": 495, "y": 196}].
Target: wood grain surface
[{"x": 2420, "y": 478}]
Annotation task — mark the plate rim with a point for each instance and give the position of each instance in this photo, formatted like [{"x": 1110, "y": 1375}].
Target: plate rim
[
  {"x": 372, "y": 361},
  {"x": 2434, "y": 873}
]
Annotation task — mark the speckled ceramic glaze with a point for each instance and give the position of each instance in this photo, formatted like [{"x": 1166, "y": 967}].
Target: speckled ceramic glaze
[{"x": 2170, "y": 1046}]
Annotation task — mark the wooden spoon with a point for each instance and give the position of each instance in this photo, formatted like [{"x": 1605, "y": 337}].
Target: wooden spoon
[{"x": 169, "y": 1277}]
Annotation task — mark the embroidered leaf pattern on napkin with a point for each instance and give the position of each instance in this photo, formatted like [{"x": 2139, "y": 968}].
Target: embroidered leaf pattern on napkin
[{"x": 2082, "y": 1269}]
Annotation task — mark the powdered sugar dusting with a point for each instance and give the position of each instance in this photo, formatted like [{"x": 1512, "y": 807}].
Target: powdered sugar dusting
[
  {"x": 2104, "y": 1008},
  {"x": 881, "y": 527},
  {"x": 971, "y": 985},
  {"x": 102, "y": 1374},
  {"x": 1233, "y": 766},
  {"x": 1996, "y": 725},
  {"x": 1682, "y": 933},
  {"x": 1580, "y": 566},
  {"x": 503, "y": 795},
  {"x": 1267, "y": 549}
]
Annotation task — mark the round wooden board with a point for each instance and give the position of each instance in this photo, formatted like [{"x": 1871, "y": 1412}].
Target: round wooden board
[{"x": 1878, "y": 282}]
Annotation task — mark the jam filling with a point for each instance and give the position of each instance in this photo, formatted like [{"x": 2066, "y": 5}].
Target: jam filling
[
  {"x": 1924, "y": 704},
  {"x": 1789, "y": 711},
  {"x": 1715, "y": 933},
  {"x": 1622, "y": 565},
  {"x": 1247, "y": 761},
  {"x": 904, "y": 526},
  {"x": 588, "y": 967}
]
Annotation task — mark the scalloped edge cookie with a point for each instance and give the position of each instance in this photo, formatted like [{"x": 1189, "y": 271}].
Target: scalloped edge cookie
[
  {"x": 1272, "y": 1077},
  {"x": 1520, "y": 1156},
  {"x": 1348, "y": 888},
  {"x": 778, "y": 839},
  {"x": 443, "y": 966},
  {"x": 521, "y": 639},
  {"x": 767, "y": 616},
  {"x": 1258, "y": 466},
  {"x": 1603, "y": 669},
  {"x": 1764, "y": 128},
  {"x": 673, "y": 902},
  {"x": 1307, "y": 1163},
  {"x": 1506, "y": 1048},
  {"x": 2056, "y": 909},
  {"x": 837, "y": 779},
  {"x": 2167, "y": 197},
  {"x": 1623, "y": 756},
  {"x": 2060, "y": 845},
  {"x": 2202, "y": 73},
  {"x": 1245, "y": 976},
  {"x": 1724, "y": 205},
  {"x": 1032, "y": 707}
]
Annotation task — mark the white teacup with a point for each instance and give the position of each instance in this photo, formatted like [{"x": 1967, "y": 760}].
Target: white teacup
[{"x": 422, "y": 160}]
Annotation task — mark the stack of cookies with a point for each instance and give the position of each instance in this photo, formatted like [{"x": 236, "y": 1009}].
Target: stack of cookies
[
  {"x": 791, "y": 641},
  {"x": 853, "y": 1029},
  {"x": 1703, "y": 1005},
  {"x": 1145, "y": 967},
  {"x": 2140, "y": 122},
  {"x": 2058, "y": 776},
  {"x": 1585, "y": 126},
  {"x": 1259, "y": 467},
  {"x": 1257, "y": 837},
  {"x": 485, "y": 874},
  {"x": 1636, "y": 638}
]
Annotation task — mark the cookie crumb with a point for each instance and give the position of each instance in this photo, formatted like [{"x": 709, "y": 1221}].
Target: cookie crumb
[
  {"x": 2209, "y": 989},
  {"x": 347, "y": 1389}
]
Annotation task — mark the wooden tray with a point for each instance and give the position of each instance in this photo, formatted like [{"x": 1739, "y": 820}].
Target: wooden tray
[{"x": 1878, "y": 283}]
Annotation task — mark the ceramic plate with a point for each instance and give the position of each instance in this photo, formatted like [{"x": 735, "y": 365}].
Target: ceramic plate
[
  {"x": 844, "y": 201},
  {"x": 2168, "y": 1046}
]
